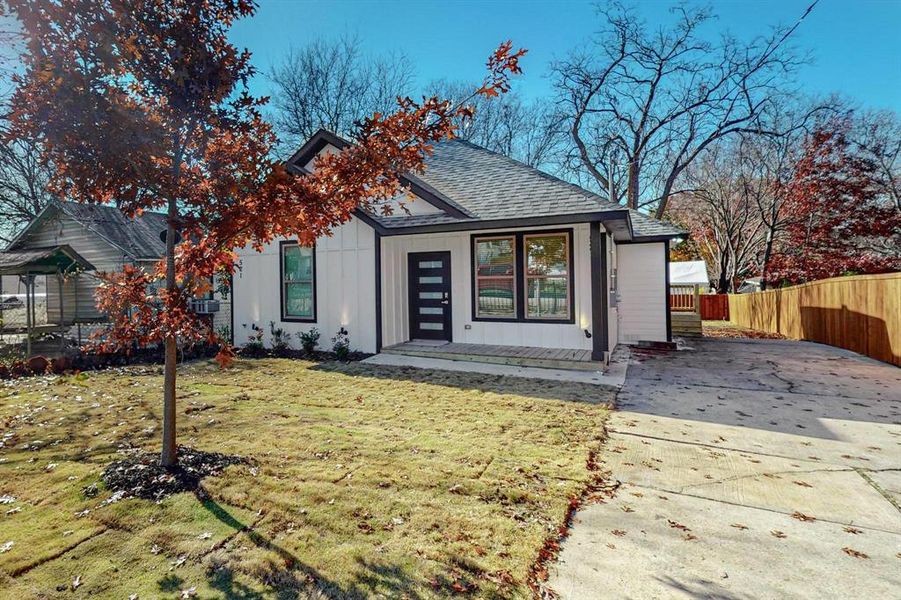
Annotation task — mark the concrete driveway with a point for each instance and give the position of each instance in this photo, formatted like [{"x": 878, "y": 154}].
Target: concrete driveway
[{"x": 748, "y": 469}]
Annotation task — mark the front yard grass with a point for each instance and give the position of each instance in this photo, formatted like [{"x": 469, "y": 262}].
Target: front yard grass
[{"x": 366, "y": 481}]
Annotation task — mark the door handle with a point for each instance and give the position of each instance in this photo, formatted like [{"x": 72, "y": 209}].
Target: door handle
[{"x": 445, "y": 302}]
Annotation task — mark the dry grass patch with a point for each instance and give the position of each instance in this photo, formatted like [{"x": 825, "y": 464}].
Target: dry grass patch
[{"x": 365, "y": 480}]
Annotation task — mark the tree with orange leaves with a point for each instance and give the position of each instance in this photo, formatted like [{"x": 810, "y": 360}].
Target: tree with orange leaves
[{"x": 144, "y": 104}]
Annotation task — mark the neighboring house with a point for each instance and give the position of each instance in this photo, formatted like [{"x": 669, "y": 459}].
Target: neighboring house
[
  {"x": 104, "y": 237},
  {"x": 490, "y": 251},
  {"x": 690, "y": 272},
  {"x": 750, "y": 285}
]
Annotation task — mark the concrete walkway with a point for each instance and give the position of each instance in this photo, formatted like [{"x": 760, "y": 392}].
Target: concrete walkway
[
  {"x": 613, "y": 377},
  {"x": 748, "y": 469}
]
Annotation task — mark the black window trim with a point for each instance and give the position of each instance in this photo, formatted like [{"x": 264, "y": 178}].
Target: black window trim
[
  {"x": 519, "y": 262},
  {"x": 281, "y": 283}
]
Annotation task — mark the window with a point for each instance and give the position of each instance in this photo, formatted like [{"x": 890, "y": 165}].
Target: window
[
  {"x": 298, "y": 268},
  {"x": 495, "y": 277},
  {"x": 523, "y": 276},
  {"x": 547, "y": 276}
]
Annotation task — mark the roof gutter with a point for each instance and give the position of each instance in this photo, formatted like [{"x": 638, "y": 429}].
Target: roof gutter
[{"x": 618, "y": 222}]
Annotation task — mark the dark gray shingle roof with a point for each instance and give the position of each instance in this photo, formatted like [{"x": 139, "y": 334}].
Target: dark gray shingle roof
[
  {"x": 491, "y": 186},
  {"x": 139, "y": 237}
]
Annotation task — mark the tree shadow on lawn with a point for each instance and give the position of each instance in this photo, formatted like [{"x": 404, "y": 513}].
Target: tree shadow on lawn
[
  {"x": 296, "y": 579},
  {"x": 498, "y": 384}
]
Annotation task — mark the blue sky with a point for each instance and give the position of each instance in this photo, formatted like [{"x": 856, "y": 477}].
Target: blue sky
[{"x": 856, "y": 46}]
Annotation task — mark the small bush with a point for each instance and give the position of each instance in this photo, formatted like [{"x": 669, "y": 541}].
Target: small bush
[
  {"x": 280, "y": 339},
  {"x": 309, "y": 340},
  {"x": 341, "y": 344},
  {"x": 254, "y": 345}
]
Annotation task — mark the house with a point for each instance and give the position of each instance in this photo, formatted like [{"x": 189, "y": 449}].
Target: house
[
  {"x": 750, "y": 285},
  {"x": 489, "y": 252},
  {"x": 690, "y": 272},
  {"x": 104, "y": 239}
]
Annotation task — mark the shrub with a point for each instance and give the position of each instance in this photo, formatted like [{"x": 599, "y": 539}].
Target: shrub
[
  {"x": 309, "y": 340},
  {"x": 254, "y": 345},
  {"x": 341, "y": 344},
  {"x": 280, "y": 343}
]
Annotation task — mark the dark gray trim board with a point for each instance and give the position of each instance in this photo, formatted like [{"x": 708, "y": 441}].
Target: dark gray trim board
[
  {"x": 651, "y": 239},
  {"x": 519, "y": 276},
  {"x": 607, "y": 216},
  {"x": 598, "y": 254},
  {"x": 378, "y": 292},
  {"x": 281, "y": 285}
]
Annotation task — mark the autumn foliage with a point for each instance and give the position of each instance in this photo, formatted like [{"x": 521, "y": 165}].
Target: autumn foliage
[
  {"x": 833, "y": 214},
  {"x": 144, "y": 104},
  {"x": 141, "y": 104}
]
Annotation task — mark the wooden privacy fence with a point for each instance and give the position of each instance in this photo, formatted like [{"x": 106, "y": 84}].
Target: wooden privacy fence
[
  {"x": 715, "y": 307},
  {"x": 861, "y": 313}
]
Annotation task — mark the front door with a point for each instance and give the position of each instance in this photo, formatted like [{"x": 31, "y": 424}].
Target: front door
[{"x": 430, "y": 293}]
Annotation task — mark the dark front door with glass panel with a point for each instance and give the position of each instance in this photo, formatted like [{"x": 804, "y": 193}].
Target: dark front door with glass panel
[{"x": 430, "y": 296}]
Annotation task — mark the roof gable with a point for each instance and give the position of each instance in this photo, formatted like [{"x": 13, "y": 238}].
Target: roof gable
[
  {"x": 138, "y": 238},
  {"x": 322, "y": 140},
  {"x": 473, "y": 185}
]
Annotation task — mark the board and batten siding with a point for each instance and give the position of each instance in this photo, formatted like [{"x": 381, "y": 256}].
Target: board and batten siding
[
  {"x": 395, "y": 304},
  {"x": 641, "y": 274},
  {"x": 78, "y": 291},
  {"x": 345, "y": 289}
]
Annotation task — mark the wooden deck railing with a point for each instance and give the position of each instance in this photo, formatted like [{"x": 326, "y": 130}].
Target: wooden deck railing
[{"x": 684, "y": 298}]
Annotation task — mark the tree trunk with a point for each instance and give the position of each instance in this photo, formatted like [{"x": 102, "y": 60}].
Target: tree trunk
[
  {"x": 633, "y": 189},
  {"x": 767, "y": 256},
  {"x": 168, "y": 457},
  {"x": 722, "y": 285}
]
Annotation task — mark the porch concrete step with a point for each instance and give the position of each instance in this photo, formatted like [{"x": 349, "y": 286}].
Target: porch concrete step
[{"x": 519, "y": 361}]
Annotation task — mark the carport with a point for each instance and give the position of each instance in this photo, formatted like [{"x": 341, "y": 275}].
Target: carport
[{"x": 56, "y": 261}]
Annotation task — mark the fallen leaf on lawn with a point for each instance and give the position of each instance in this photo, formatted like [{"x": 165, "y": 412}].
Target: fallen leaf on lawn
[
  {"x": 189, "y": 593},
  {"x": 802, "y": 483},
  {"x": 853, "y": 530},
  {"x": 689, "y": 537},
  {"x": 7, "y": 499},
  {"x": 627, "y": 508},
  {"x": 205, "y": 535},
  {"x": 76, "y": 582},
  {"x": 778, "y": 534},
  {"x": 618, "y": 532},
  {"x": 854, "y": 553},
  {"x": 802, "y": 517},
  {"x": 676, "y": 525},
  {"x": 611, "y": 546},
  {"x": 739, "y": 526},
  {"x": 6, "y": 547}
]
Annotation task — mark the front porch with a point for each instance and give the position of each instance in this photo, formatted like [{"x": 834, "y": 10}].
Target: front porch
[{"x": 521, "y": 356}]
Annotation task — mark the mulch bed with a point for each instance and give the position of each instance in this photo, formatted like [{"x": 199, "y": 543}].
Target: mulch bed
[{"x": 141, "y": 476}]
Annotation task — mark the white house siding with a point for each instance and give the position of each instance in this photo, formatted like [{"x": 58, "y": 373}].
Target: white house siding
[
  {"x": 395, "y": 319},
  {"x": 402, "y": 204},
  {"x": 641, "y": 271},
  {"x": 78, "y": 291},
  {"x": 345, "y": 289}
]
